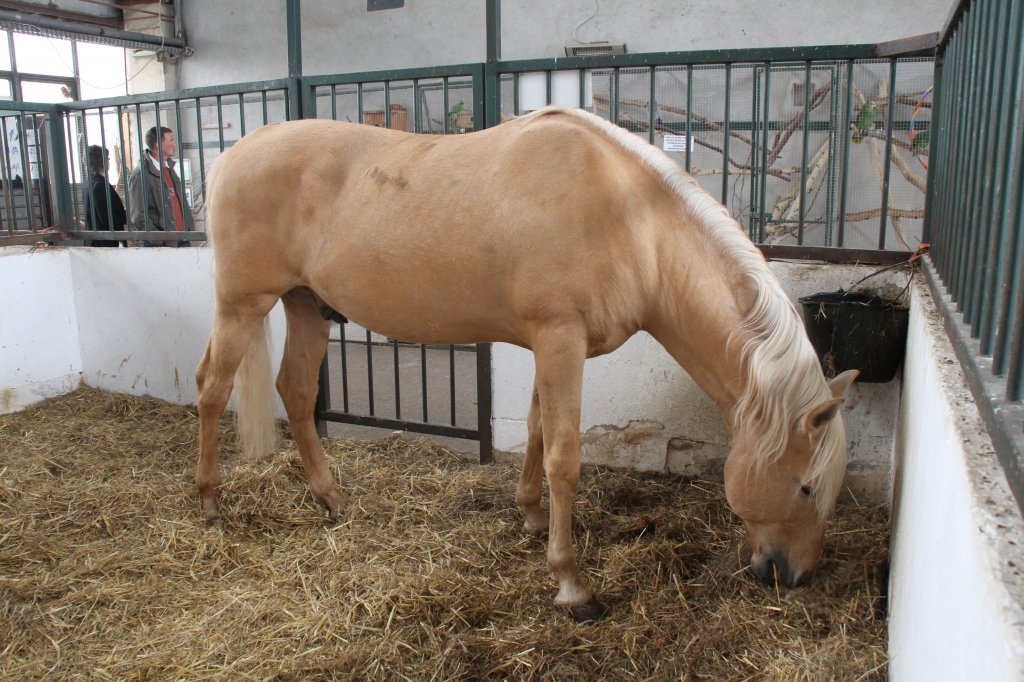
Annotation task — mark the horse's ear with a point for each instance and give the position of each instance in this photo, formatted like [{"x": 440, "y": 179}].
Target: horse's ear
[
  {"x": 842, "y": 382},
  {"x": 818, "y": 416}
]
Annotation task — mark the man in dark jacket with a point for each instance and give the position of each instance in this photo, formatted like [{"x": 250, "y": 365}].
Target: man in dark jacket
[
  {"x": 157, "y": 199},
  {"x": 104, "y": 210}
]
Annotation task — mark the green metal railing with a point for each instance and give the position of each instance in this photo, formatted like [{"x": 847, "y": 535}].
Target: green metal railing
[
  {"x": 787, "y": 138},
  {"x": 975, "y": 218},
  {"x": 800, "y": 143},
  {"x": 205, "y": 121}
]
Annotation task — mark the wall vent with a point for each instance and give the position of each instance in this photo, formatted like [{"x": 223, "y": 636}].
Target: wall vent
[{"x": 594, "y": 49}]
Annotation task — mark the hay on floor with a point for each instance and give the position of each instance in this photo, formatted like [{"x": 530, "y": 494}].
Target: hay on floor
[{"x": 107, "y": 570}]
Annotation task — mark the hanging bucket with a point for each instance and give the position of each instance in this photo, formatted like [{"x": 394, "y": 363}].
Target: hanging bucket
[{"x": 856, "y": 330}]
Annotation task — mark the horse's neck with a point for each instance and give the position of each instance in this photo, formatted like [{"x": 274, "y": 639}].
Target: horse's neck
[{"x": 701, "y": 305}]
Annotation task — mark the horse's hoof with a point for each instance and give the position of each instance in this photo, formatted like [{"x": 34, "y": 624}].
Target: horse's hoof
[
  {"x": 535, "y": 531},
  {"x": 210, "y": 512},
  {"x": 335, "y": 501},
  {"x": 589, "y": 612}
]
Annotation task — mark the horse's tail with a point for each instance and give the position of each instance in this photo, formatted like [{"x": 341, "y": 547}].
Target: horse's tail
[{"x": 254, "y": 397}]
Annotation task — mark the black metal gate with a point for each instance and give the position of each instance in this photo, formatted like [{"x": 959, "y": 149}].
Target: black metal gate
[{"x": 368, "y": 380}]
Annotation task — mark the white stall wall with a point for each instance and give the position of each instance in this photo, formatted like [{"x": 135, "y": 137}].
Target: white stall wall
[
  {"x": 956, "y": 596},
  {"x": 39, "y": 351},
  {"x": 144, "y": 316}
]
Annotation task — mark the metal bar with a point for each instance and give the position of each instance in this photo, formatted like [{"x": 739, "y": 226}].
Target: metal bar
[
  {"x": 614, "y": 104},
  {"x": 344, "y": 366},
  {"x": 447, "y": 123},
  {"x": 125, "y": 150},
  {"x": 689, "y": 117},
  {"x": 69, "y": 159},
  {"x": 26, "y": 169},
  {"x": 725, "y": 135},
  {"x": 833, "y": 163},
  {"x": 278, "y": 84},
  {"x": 106, "y": 171},
  {"x": 4, "y": 169},
  {"x": 954, "y": 130},
  {"x": 385, "y": 75},
  {"x": 493, "y": 20},
  {"x": 423, "y": 378},
  {"x": 451, "y": 380},
  {"x": 126, "y": 39},
  {"x": 416, "y": 106},
  {"x": 202, "y": 159},
  {"x": 977, "y": 246},
  {"x": 395, "y": 424},
  {"x": 755, "y": 141},
  {"x": 369, "y": 368},
  {"x": 845, "y": 128},
  {"x": 887, "y": 163},
  {"x": 652, "y": 107},
  {"x": 143, "y": 159},
  {"x": 1015, "y": 371},
  {"x": 293, "y": 25},
  {"x": 241, "y": 116},
  {"x": 830, "y": 254},
  {"x": 968, "y": 160},
  {"x": 1011, "y": 214},
  {"x": 983, "y": 324},
  {"x": 58, "y": 168},
  {"x": 747, "y": 55},
  {"x": 398, "y": 383},
  {"x": 483, "y": 402},
  {"x": 220, "y": 124},
  {"x": 802, "y": 213},
  {"x": 762, "y": 219}
]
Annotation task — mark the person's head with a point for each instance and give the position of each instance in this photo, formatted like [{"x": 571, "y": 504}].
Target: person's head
[
  {"x": 97, "y": 158},
  {"x": 168, "y": 145}
]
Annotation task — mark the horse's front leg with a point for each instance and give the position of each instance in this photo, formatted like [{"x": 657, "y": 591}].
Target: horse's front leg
[
  {"x": 559, "y": 382},
  {"x": 528, "y": 492}
]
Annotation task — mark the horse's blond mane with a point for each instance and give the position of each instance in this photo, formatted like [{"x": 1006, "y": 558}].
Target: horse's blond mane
[{"x": 783, "y": 376}]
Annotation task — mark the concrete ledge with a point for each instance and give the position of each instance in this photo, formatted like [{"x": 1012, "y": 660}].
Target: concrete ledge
[{"x": 956, "y": 588}]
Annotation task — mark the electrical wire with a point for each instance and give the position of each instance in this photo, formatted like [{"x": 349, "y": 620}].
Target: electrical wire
[{"x": 597, "y": 10}]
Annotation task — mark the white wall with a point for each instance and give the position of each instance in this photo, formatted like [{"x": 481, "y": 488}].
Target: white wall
[
  {"x": 239, "y": 40},
  {"x": 144, "y": 315},
  {"x": 956, "y": 595},
  {"x": 131, "y": 321},
  {"x": 39, "y": 351}
]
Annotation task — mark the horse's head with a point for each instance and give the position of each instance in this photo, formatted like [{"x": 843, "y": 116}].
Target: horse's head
[{"x": 785, "y": 503}]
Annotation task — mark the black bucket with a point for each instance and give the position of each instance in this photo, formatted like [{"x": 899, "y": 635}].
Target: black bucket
[{"x": 856, "y": 330}]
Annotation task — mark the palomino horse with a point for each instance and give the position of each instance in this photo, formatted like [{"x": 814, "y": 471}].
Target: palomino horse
[{"x": 557, "y": 232}]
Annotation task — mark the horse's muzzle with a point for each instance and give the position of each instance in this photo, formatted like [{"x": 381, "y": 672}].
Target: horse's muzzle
[{"x": 773, "y": 567}]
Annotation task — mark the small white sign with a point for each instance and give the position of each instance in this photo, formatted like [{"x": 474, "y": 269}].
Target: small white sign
[{"x": 677, "y": 143}]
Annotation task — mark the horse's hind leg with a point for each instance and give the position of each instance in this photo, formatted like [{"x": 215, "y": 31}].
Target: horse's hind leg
[
  {"x": 528, "y": 492},
  {"x": 233, "y": 327},
  {"x": 298, "y": 383}
]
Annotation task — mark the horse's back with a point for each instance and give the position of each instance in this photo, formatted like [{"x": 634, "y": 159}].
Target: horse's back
[{"x": 469, "y": 233}]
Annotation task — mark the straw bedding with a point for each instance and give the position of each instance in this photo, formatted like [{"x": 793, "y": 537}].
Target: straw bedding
[{"x": 107, "y": 570}]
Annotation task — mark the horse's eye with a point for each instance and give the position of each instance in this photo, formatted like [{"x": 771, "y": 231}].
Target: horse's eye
[{"x": 807, "y": 490}]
